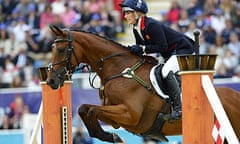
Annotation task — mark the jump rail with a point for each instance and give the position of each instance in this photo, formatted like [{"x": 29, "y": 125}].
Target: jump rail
[
  {"x": 219, "y": 110},
  {"x": 200, "y": 102}
]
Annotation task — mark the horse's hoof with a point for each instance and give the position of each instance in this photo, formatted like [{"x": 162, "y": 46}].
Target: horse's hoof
[{"x": 116, "y": 138}]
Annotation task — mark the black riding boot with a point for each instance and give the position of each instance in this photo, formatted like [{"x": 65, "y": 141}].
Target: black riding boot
[{"x": 174, "y": 93}]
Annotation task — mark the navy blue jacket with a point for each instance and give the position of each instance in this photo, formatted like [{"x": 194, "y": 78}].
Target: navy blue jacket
[{"x": 159, "y": 38}]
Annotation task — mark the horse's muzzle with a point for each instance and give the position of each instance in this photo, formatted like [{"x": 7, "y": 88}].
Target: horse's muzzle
[{"x": 55, "y": 81}]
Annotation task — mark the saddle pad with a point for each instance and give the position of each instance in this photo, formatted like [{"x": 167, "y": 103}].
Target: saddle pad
[{"x": 154, "y": 82}]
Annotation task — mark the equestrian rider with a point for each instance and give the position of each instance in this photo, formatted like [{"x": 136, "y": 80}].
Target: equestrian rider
[{"x": 152, "y": 36}]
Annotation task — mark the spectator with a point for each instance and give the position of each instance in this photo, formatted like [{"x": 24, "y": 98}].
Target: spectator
[
  {"x": 116, "y": 12},
  {"x": 108, "y": 23},
  {"x": 199, "y": 19},
  {"x": 34, "y": 81},
  {"x": 46, "y": 17},
  {"x": 191, "y": 28},
  {"x": 234, "y": 44},
  {"x": 227, "y": 30},
  {"x": 11, "y": 45},
  {"x": 33, "y": 20},
  {"x": 236, "y": 76},
  {"x": 3, "y": 33},
  {"x": 164, "y": 18},
  {"x": 94, "y": 5},
  {"x": 22, "y": 7},
  {"x": 76, "y": 24},
  {"x": 192, "y": 8},
  {"x": 11, "y": 21},
  {"x": 174, "y": 12},
  {"x": 41, "y": 4},
  {"x": 33, "y": 48},
  {"x": 95, "y": 25},
  {"x": 224, "y": 66},
  {"x": 18, "y": 108},
  {"x": 20, "y": 28},
  {"x": 85, "y": 14},
  {"x": 68, "y": 15},
  {"x": 218, "y": 21},
  {"x": 7, "y": 8},
  {"x": 9, "y": 71},
  {"x": 219, "y": 47},
  {"x": 184, "y": 21},
  {"x": 235, "y": 15},
  {"x": 226, "y": 6},
  {"x": 2, "y": 57},
  {"x": 6, "y": 124},
  {"x": 45, "y": 39},
  {"x": 17, "y": 82},
  {"x": 57, "y": 21},
  {"x": 209, "y": 32},
  {"x": 209, "y": 7},
  {"x": 22, "y": 57},
  {"x": 204, "y": 46},
  {"x": 58, "y": 7}
]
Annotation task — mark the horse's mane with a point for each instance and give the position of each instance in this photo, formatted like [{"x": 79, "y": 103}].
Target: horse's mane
[
  {"x": 148, "y": 59},
  {"x": 103, "y": 37}
]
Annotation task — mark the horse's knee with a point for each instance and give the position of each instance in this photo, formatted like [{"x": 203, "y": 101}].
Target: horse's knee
[
  {"x": 91, "y": 111},
  {"x": 82, "y": 109}
]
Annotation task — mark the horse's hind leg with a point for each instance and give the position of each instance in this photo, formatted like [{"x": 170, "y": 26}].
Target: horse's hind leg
[{"x": 93, "y": 126}]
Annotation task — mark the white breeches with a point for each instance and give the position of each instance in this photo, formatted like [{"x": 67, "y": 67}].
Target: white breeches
[{"x": 170, "y": 65}]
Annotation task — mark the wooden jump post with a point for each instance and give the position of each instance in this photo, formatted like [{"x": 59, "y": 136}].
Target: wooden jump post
[
  {"x": 198, "y": 116},
  {"x": 56, "y": 112}
]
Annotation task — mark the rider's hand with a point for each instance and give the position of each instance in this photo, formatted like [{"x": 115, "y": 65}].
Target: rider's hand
[{"x": 137, "y": 49}]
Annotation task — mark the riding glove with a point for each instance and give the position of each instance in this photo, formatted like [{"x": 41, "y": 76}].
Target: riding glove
[{"x": 137, "y": 49}]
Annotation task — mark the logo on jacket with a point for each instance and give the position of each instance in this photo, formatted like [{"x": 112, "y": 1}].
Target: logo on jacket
[{"x": 139, "y": 4}]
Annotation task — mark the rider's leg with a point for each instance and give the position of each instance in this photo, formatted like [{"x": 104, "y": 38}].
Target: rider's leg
[{"x": 174, "y": 91}]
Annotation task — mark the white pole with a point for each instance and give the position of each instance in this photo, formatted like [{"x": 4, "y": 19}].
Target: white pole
[
  {"x": 219, "y": 110},
  {"x": 33, "y": 139}
]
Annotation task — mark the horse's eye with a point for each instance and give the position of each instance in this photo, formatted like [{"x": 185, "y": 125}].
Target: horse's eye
[{"x": 61, "y": 50}]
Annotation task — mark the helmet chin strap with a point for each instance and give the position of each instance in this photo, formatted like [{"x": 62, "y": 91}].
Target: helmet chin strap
[{"x": 137, "y": 17}]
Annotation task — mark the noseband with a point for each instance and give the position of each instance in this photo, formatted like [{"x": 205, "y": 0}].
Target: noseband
[{"x": 69, "y": 67}]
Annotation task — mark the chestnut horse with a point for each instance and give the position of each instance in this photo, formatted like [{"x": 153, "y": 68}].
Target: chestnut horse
[{"x": 128, "y": 99}]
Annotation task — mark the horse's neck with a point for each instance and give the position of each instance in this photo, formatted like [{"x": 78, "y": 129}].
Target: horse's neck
[{"x": 95, "y": 51}]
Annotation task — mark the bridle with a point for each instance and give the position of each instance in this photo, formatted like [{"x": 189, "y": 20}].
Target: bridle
[{"x": 65, "y": 72}]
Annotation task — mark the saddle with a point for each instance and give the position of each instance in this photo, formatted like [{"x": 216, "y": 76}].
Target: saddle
[
  {"x": 160, "y": 88},
  {"x": 158, "y": 81}
]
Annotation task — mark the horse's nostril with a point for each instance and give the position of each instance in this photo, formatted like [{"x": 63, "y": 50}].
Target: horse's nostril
[{"x": 50, "y": 81}]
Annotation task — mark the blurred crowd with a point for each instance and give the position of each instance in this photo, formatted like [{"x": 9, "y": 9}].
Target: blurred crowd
[
  {"x": 219, "y": 23},
  {"x": 25, "y": 34},
  {"x": 11, "y": 117}
]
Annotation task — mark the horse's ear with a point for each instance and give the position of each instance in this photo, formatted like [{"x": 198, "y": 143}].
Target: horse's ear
[{"x": 56, "y": 30}]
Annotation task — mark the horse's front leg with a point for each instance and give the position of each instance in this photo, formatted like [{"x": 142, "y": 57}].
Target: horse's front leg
[
  {"x": 93, "y": 126},
  {"x": 120, "y": 114}
]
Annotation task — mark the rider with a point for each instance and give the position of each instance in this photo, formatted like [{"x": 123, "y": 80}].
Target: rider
[{"x": 152, "y": 36}]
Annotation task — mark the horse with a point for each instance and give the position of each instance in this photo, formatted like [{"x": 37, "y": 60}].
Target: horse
[{"x": 128, "y": 99}]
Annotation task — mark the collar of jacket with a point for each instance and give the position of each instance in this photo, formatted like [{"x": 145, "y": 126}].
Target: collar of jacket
[{"x": 142, "y": 23}]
